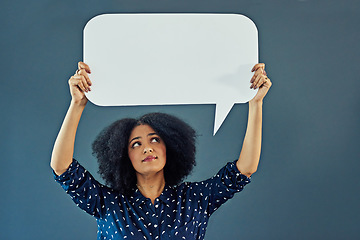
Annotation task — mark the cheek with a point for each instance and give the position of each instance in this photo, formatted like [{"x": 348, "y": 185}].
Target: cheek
[
  {"x": 164, "y": 150},
  {"x": 134, "y": 163}
]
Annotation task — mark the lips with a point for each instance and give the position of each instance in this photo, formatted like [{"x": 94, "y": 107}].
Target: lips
[{"x": 149, "y": 158}]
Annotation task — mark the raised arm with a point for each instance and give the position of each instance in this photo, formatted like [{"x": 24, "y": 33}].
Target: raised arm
[
  {"x": 251, "y": 148},
  {"x": 63, "y": 150}
]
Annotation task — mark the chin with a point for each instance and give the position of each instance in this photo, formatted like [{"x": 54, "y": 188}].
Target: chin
[{"x": 151, "y": 168}]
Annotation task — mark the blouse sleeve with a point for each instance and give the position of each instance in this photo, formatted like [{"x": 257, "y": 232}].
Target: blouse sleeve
[
  {"x": 217, "y": 190},
  {"x": 83, "y": 189}
]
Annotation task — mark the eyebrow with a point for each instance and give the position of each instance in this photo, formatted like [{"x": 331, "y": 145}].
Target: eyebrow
[{"x": 150, "y": 134}]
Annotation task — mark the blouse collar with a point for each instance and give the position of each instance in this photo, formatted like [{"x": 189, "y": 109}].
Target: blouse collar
[{"x": 166, "y": 196}]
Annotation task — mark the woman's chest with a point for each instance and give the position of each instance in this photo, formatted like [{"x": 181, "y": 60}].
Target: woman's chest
[{"x": 171, "y": 220}]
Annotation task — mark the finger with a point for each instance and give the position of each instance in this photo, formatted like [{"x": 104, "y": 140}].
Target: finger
[
  {"x": 82, "y": 65},
  {"x": 261, "y": 82},
  {"x": 73, "y": 80},
  {"x": 256, "y": 80},
  {"x": 82, "y": 79},
  {"x": 82, "y": 72},
  {"x": 258, "y": 72},
  {"x": 257, "y": 66},
  {"x": 77, "y": 81},
  {"x": 81, "y": 86},
  {"x": 266, "y": 83},
  {"x": 84, "y": 82}
]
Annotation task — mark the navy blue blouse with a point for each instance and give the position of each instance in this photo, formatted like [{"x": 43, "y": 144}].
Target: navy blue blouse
[{"x": 180, "y": 212}]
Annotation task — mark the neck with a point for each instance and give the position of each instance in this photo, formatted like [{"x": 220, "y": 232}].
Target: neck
[{"x": 151, "y": 186}]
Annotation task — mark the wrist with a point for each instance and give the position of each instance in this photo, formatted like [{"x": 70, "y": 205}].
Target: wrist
[
  {"x": 78, "y": 103},
  {"x": 256, "y": 103}
]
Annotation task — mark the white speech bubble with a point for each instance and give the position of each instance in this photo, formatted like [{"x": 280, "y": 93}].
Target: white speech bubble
[{"x": 171, "y": 59}]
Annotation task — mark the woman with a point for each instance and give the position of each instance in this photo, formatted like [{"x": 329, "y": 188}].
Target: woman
[{"x": 143, "y": 161}]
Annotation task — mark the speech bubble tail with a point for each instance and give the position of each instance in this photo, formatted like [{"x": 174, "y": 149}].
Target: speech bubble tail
[{"x": 221, "y": 112}]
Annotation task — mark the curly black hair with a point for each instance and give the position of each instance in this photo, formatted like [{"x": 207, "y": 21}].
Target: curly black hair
[{"x": 111, "y": 149}]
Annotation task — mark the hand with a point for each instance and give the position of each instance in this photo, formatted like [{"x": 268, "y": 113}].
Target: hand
[
  {"x": 80, "y": 83},
  {"x": 260, "y": 81}
]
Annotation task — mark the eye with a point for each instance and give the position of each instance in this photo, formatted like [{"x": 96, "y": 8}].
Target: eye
[
  {"x": 135, "y": 144},
  {"x": 155, "y": 139}
]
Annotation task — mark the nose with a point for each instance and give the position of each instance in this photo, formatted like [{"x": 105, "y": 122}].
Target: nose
[{"x": 148, "y": 149}]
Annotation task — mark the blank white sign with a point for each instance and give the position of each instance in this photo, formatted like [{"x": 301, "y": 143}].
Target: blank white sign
[{"x": 160, "y": 59}]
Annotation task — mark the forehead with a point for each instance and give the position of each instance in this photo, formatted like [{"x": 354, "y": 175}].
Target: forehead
[{"x": 141, "y": 130}]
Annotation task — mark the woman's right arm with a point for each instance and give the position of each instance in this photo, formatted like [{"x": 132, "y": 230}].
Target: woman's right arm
[{"x": 63, "y": 150}]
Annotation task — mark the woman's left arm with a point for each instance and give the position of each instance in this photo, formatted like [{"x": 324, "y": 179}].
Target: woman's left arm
[{"x": 251, "y": 148}]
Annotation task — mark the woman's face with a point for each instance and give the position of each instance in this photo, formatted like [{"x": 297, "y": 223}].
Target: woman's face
[{"x": 147, "y": 151}]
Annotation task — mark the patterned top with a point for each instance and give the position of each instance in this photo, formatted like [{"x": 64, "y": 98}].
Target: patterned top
[{"x": 180, "y": 212}]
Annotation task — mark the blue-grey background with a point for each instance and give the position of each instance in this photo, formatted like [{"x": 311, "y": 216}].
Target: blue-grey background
[{"x": 307, "y": 185}]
